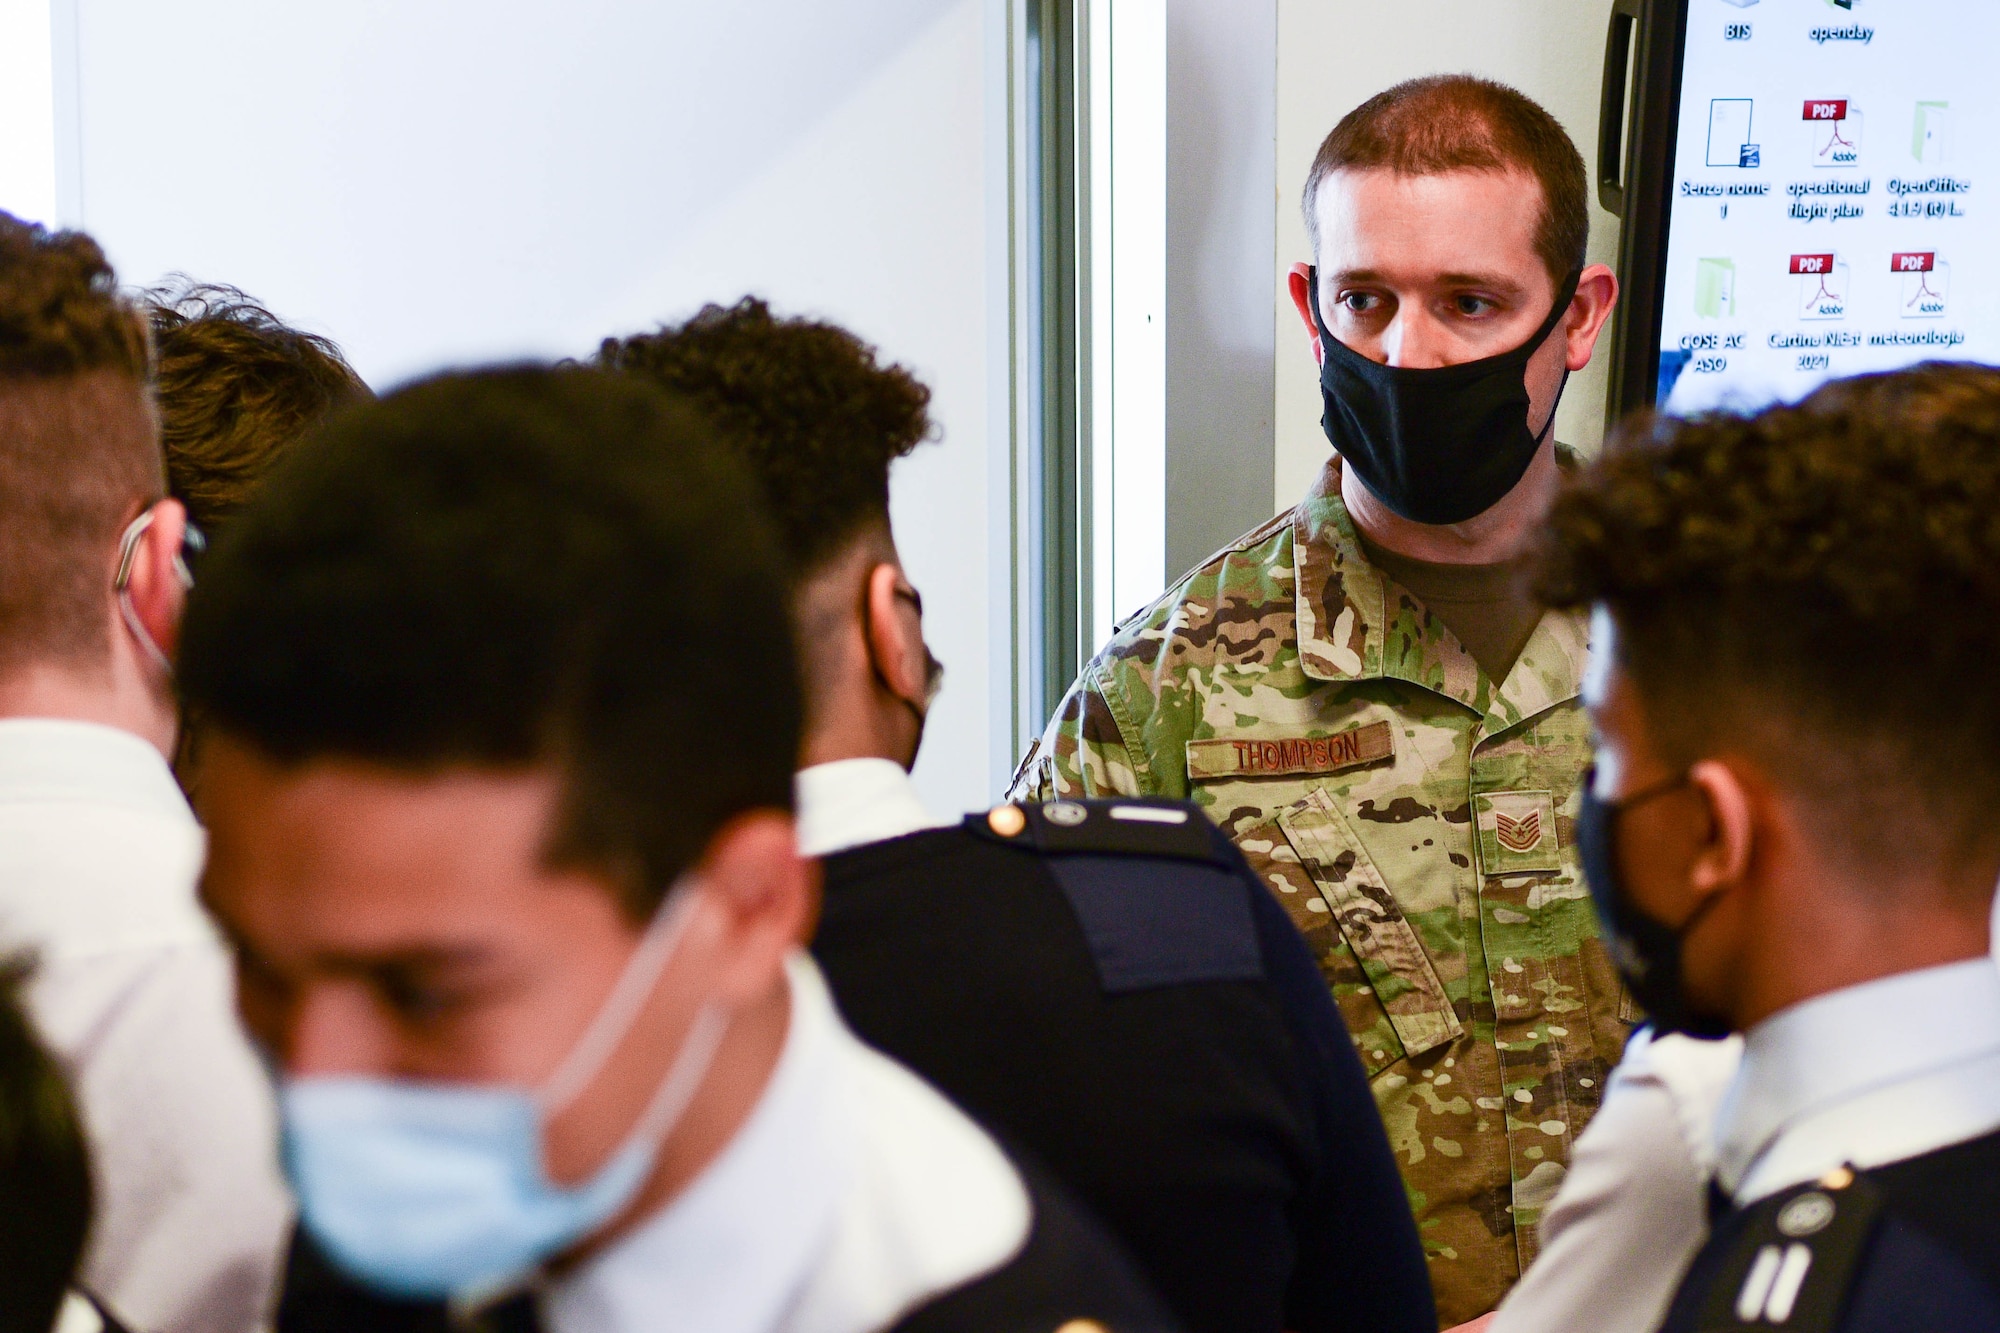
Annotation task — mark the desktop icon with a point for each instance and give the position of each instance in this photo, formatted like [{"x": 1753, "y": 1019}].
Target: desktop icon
[
  {"x": 1729, "y": 143},
  {"x": 1926, "y": 283},
  {"x": 1715, "y": 288},
  {"x": 1822, "y": 286},
  {"x": 1835, "y": 125},
  {"x": 1930, "y": 137}
]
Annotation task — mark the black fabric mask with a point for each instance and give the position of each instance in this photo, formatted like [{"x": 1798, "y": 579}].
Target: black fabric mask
[
  {"x": 1439, "y": 445},
  {"x": 1646, "y": 949}
]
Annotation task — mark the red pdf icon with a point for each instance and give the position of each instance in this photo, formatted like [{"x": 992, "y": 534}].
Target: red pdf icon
[
  {"x": 1812, "y": 263},
  {"x": 1827, "y": 109},
  {"x": 1913, "y": 261}
]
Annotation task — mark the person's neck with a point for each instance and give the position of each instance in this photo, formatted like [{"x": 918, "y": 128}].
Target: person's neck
[
  {"x": 736, "y": 1082},
  {"x": 851, "y": 716},
  {"x": 1826, "y": 952},
  {"x": 1490, "y": 538},
  {"x": 46, "y": 691}
]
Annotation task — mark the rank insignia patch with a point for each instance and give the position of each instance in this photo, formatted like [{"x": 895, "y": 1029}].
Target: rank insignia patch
[{"x": 1517, "y": 832}]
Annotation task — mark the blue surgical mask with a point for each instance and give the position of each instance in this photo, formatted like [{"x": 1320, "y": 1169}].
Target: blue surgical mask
[{"x": 432, "y": 1190}]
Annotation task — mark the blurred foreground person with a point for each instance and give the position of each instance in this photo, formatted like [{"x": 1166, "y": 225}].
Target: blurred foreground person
[
  {"x": 236, "y": 389},
  {"x": 44, "y": 1174},
  {"x": 98, "y": 849},
  {"x": 512, "y": 878},
  {"x": 1105, "y": 982},
  {"x": 1790, "y": 833}
]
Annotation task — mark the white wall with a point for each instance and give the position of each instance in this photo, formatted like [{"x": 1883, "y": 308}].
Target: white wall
[
  {"x": 1221, "y": 229},
  {"x": 1334, "y": 54},
  {"x": 434, "y": 181},
  {"x": 27, "y": 112}
]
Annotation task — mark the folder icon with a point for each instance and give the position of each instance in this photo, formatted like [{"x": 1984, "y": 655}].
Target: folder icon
[
  {"x": 1930, "y": 138},
  {"x": 1715, "y": 288}
]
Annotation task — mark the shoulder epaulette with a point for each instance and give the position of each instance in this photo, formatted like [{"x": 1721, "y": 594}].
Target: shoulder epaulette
[
  {"x": 1795, "y": 1260},
  {"x": 1159, "y": 898},
  {"x": 1134, "y": 827}
]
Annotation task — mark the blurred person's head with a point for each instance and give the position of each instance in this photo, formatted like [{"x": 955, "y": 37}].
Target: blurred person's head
[
  {"x": 818, "y": 421},
  {"x": 236, "y": 388},
  {"x": 45, "y": 1191},
  {"x": 482, "y": 742},
  {"x": 1448, "y": 218},
  {"x": 1795, "y": 617},
  {"x": 91, "y": 576}
]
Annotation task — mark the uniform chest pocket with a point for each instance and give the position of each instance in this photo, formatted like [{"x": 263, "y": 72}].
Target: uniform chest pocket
[{"x": 1398, "y": 1006}]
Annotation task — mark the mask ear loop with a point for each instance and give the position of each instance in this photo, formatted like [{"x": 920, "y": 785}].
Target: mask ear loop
[
  {"x": 128, "y": 554},
  {"x": 690, "y": 1065},
  {"x": 629, "y": 995}
]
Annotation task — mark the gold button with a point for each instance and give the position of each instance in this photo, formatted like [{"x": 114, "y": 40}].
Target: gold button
[
  {"x": 1008, "y": 821},
  {"x": 1083, "y": 1326}
]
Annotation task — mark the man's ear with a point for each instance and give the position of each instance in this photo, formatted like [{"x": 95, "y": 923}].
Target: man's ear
[
  {"x": 1589, "y": 310},
  {"x": 1300, "y": 283},
  {"x": 896, "y": 636},
  {"x": 1724, "y": 858},
  {"x": 153, "y": 585},
  {"x": 764, "y": 896}
]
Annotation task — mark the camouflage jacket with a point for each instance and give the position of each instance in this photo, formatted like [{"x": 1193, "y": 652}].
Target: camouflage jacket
[{"x": 1417, "y": 823}]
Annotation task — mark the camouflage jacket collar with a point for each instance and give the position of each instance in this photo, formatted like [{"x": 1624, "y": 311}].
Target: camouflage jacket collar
[{"x": 1355, "y": 623}]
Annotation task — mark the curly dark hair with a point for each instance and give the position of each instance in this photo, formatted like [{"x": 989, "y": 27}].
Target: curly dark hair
[
  {"x": 79, "y": 449},
  {"x": 515, "y": 567},
  {"x": 235, "y": 387},
  {"x": 60, "y": 311},
  {"x": 1817, "y": 584},
  {"x": 812, "y": 413}
]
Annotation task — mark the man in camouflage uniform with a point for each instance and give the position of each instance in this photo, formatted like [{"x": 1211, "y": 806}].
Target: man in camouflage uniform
[{"x": 1411, "y": 808}]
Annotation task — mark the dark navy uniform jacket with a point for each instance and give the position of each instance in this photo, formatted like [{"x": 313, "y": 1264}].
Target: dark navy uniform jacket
[
  {"x": 1912, "y": 1247},
  {"x": 1109, "y": 987}
]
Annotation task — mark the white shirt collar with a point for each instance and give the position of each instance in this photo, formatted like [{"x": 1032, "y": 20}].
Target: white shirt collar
[
  {"x": 55, "y": 759},
  {"x": 1870, "y": 1074},
  {"x": 852, "y": 1192},
  {"x": 734, "y": 1249},
  {"x": 853, "y": 801}
]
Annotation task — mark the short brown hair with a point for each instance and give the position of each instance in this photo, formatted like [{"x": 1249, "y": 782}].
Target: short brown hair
[
  {"x": 1817, "y": 586},
  {"x": 236, "y": 388},
  {"x": 79, "y": 449},
  {"x": 806, "y": 405},
  {"x": 1456, "y": 122}
]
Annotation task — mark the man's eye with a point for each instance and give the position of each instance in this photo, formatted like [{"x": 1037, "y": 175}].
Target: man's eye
[
  {"x": 1358, "y": 303},
  {"x": 415, "y": 1002},
  {"x": 1472, "y": 306}
]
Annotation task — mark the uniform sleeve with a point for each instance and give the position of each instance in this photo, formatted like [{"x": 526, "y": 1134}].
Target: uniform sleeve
[
  {"x": 1082, "y": 753},
  {"x": 1630, "y": 1215}
]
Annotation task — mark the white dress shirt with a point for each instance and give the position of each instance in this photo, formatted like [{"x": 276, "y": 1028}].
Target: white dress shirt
[
  {"x": 98, "y": 860},
  {"x": 1871, "y": 1074},
  {"x": 1632, "y": 1211},
  {"x": 853, "y": 1193},
  {"x": 853, "y": 801}
]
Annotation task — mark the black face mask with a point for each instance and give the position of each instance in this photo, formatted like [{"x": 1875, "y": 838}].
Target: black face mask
[
  {"x": 1646, "y": 949},
  {"x": 1439, "y": 445}
]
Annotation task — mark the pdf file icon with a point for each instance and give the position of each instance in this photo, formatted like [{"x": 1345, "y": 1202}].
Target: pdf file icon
[
  {"x": 1822, "y": 286},
  {"x": 1836, "y": 132},
  {"x": 1926, "y": 283}
]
